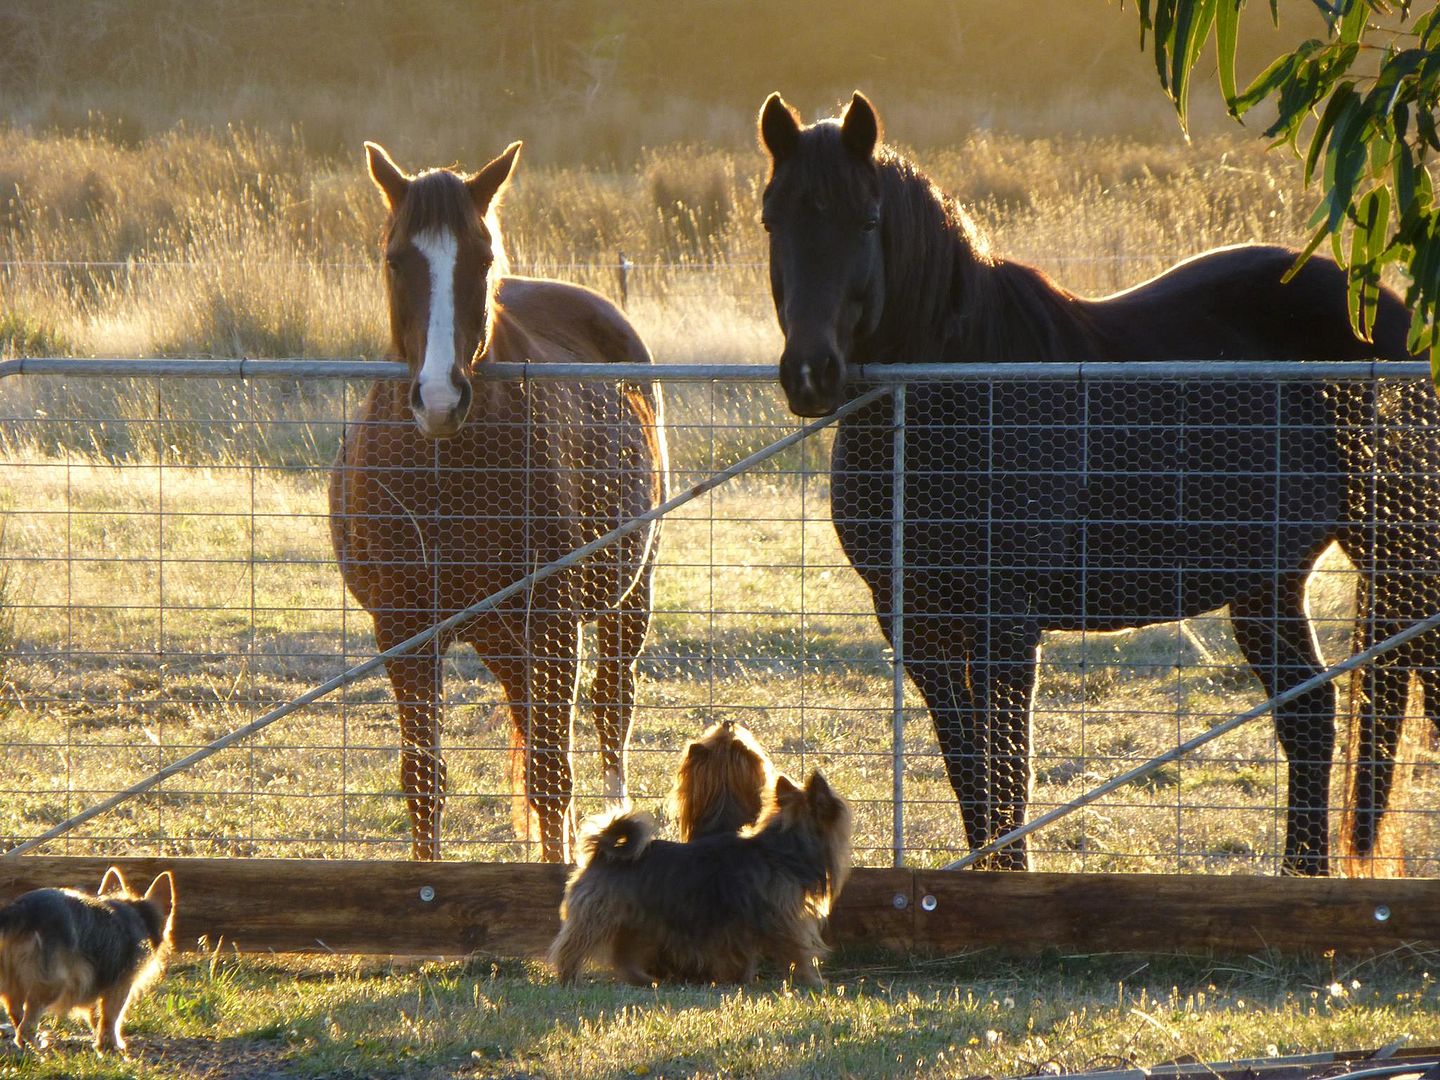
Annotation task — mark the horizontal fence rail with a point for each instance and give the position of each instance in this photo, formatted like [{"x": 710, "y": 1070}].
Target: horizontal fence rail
[
  {"x": 1144, "y": 371},
  {"x": 168, "y": 581}
]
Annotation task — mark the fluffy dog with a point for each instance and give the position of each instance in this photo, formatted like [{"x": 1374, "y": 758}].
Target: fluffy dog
[
  {"x": 708, "y": 910},
  {"x": 64, "y": 951},
  {"x": 723, "y": 783}
]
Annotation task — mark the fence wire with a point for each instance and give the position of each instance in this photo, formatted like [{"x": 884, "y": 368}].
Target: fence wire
[{"x": 169, "y": 576}]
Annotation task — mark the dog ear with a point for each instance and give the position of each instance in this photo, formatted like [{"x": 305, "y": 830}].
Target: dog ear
[
  {"x": 113, "y": 881},
  {"x": 817, "y": 785},
  {"x": 786, "y": 791},
  {"x": 821, "y": 795},
  {"x": 161, "y": 893}
]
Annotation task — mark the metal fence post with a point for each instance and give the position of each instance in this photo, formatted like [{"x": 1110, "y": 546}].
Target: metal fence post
[{"x": 897, "y": 624}]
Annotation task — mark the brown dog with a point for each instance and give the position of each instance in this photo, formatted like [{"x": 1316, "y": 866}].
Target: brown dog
[
  {"x": 723, "y": 783},
  {"x": 708, "y": 910},
  {"x": 64, "y": 951}
]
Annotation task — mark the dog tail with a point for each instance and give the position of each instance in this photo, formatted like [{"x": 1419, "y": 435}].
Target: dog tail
[
  {"x": 617, "y": 838},
  {"x": 30, "y": 935}
]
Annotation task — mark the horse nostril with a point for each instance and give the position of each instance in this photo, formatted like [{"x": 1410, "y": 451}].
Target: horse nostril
[
  {"x": 819, "y": 376},
  {"x": 462, "y": 407}
]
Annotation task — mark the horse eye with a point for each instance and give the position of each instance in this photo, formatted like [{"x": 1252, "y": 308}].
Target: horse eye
[
  {"x": 765, "y": 224},
  {"x": 870, "y": 224},
  {"x": 392, "y": 263}
]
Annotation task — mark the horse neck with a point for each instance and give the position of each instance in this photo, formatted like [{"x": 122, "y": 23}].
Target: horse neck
[
  {"x": 945, "y": 300},
  {"x": 1010, "y": 312},
  {"x": 509, "y": 341}
]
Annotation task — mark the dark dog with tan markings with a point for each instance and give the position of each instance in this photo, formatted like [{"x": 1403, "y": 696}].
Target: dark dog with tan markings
[
  {"x": 709, "y": 910},
  {"x": 64, "y": 951}
]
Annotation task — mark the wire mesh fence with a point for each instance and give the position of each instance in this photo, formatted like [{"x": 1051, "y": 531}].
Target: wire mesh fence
[{"x": 1122, "y": 562}]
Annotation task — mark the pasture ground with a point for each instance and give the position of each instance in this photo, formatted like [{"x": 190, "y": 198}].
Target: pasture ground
[
  {"x": 153, "y": 608},
  {"x": 226, "y": 1017}
]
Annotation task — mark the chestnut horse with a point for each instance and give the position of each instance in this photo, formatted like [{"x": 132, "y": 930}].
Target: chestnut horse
[
  {"x": 1103, "y": 504},
  {"x": 448, "y": 488}
]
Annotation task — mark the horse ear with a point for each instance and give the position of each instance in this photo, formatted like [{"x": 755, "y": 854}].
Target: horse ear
[
  {"x": 860, "y": 126},
  {"x": 487, "y": 184},
  {"x": 779, "y": 127},
  {"x": 388, "y": 177}
]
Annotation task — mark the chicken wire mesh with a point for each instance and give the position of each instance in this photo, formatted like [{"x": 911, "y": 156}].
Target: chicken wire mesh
[{"x": 169, "y": 575}]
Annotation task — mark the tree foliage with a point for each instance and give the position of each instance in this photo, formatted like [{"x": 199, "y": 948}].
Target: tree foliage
[{"x": 1360, "y": 106}]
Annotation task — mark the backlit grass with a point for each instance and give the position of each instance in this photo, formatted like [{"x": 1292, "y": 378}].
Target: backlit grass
[{"x": 220, "y": 1016}]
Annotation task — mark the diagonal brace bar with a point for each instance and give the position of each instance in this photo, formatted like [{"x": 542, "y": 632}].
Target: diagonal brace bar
[{"x": 1144, "y": 769}]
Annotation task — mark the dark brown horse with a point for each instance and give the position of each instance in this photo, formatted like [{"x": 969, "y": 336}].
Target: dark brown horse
[
  {"x": 450, "y": 487},
  {"x": 1098, "y": 505}
]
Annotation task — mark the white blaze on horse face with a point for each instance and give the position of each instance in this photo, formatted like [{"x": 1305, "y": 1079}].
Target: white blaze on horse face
[{"x": 438, "y": 392}]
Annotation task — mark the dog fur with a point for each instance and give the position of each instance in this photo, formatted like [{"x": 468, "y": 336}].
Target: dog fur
[
  {"x": 64, "y": 951},
  {"x": 708, "y": 910},
  {"x": 723, "y": 784}
]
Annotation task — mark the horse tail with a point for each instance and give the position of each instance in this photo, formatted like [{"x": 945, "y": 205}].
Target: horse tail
[{"x": 616, "y": 838}]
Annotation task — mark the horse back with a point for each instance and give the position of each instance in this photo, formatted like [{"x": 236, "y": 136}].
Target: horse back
[
  {"x": 577, "y": 324},
  {"x": 1234, "y": 303},
  {"x": 623, "y": 427}
]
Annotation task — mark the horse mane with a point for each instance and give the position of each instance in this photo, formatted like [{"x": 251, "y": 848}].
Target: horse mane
[
  {"x": 948, "y": 298},
  {"x": 438, "y": 199}
]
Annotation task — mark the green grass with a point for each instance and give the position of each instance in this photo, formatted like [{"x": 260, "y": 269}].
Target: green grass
[{"x": 223, "y": 1016}]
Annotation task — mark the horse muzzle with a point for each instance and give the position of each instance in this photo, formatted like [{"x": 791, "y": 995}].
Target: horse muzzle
[
  {"x": 440, "y": 423},
  {"x": 814, "y": 383}
]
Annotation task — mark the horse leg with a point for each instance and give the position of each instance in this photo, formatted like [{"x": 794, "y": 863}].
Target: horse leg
[
  {"x": 416, "y": 681},
  {"x": 619, "y": 637},
  {"x": 961, "y": 733},
  {"x": 513, "y": 670},
  {"x": 934, "y": 656},
  {"x": 549, "y": 781},
  {"x": 1274, "y": 634},
  {"x": 1003, "y": 677},
  {"x": 1387, "y": 684},
  {"x": 541, "y": 682},
  {"x": 980, "y": 708}
]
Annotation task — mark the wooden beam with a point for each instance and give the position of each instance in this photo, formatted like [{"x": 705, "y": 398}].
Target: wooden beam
[
  {"x": 876, "y": 910},
  {"x": 304, "y": 905},
  {"x": 1186, "y": 912},
  {"x": 512, "y": 909}
]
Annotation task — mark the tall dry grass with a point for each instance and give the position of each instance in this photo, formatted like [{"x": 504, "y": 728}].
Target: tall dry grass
[
  {"x": 595, "y": 81},
  {"x": 239, "y": 243}
]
